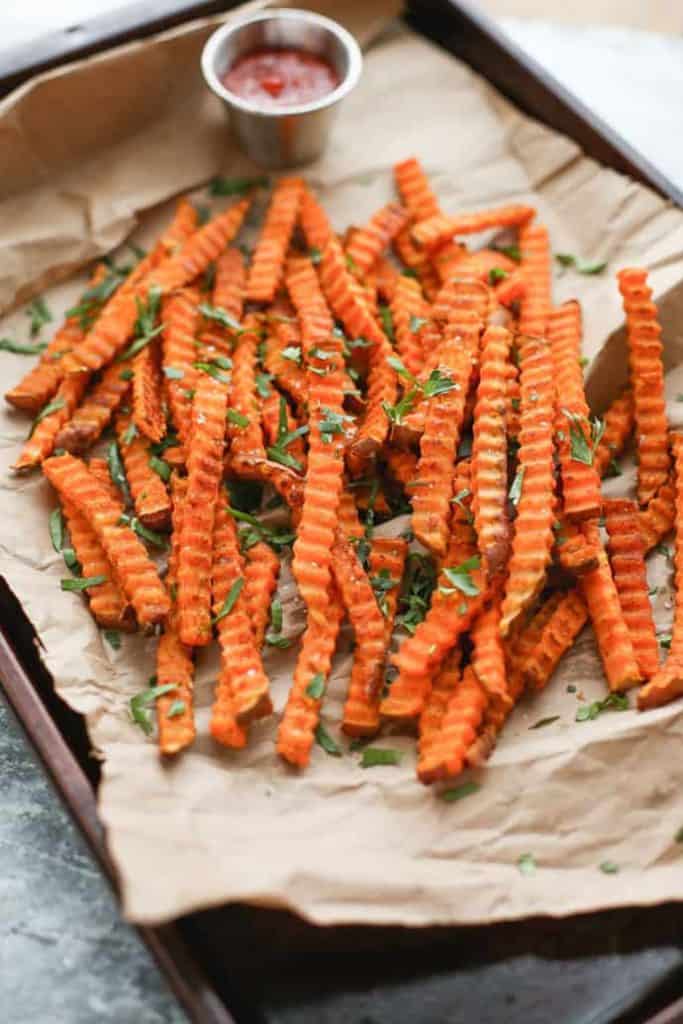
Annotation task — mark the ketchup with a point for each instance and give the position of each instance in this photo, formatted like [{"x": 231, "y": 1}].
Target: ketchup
[{"x": 273, "y": 79}]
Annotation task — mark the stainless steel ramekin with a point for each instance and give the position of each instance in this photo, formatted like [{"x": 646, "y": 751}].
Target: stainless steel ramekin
[{"x": 298, "y": 134}]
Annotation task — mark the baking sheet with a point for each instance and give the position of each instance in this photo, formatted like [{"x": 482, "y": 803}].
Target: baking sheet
[{"x": 339, "y": 843}]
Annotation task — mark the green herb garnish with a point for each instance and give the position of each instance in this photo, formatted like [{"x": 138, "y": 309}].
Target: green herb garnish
[
  {"x": 233, "y": 416},
  {"x": 566, "y": 259},
  {"x": 375, "y": 756},
  {"x": 160, "y": 467},
  {"x": 324, "y": 740},
  {"x": 497, "y": 274},
  {"x": 316, "y": 687},
  {"x": 140, "y": 704},
  {"x": 83, "y": 582},
  {"x": 526, "y": 864},
  {"x": 56, "y": 523},
  {"x": 542, "y": 722},
  {"x": 113, "y": 638},
  {"x": 612, "y": 702},
  {"x": 39, "y": 315},
  {"x": 460, "y": 578},
  {"x": 230, "y": 600},
  {"x": 582, "y": 448},
  {"x": 7, "y": 345},
  {"x": 236, "y": 186},
  {"x": 221, "y": 316},
  {"x": 460, "y": 792}
]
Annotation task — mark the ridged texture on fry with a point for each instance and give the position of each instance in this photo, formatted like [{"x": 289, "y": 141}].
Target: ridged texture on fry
[
  {"x": 535, "y": 307},
  {"x": 288, "y": 374},
  {"x": 461, "y": 294},
  {"x": 261, "y": 570},
  {"x": 556, "y": 637},
  {"x": 314, "y": 223},
  {"x": 512, "y": 289},
  {"x": 230, "y": 283},
  {"x": 205, "y": 469},
  {"x": 655, "y": 521},
  {"x": 483, "y": 265},
  {"x": 135, "y": 574},
  {"x": 369, "y": 242},
  {"x": 439, "y": 442},
  {"x": 580, "y": 481},
  {"x": 575, "y": 552},
  {"x": 247, "y": 440},
  {"x": 447, "y": 260},
  {"x": 647, "y": 381},
  {"x": 513, "y": 395},
  {"x": 37, "y": 387},
  {"x": 150, "y": 497},
  {"x": 434, "y": 231},
  {"x": 183, "y": 225},
  {"x": 387, "y": 278},
  {"x": 243, "y": 686},
  {"x": 265, "y": 273},
  {"x": 203, "y": 246},
  {"x": 180, "y": 317},
  {"x": 296, "y": 733},
  {"x": 148, "y": 411},
  {"x": 174, "y": 660},
  {"x": 406, "y": 305},
  {"x": 611, "y": 632},
  {"x": 489, "y": 451},
  {"x": 618, "y": 420},
  {"x": 450, "y": 614},
  {"x": 431, "y": 719},
  {"x": 533, "y": 535},
  {"x": 270, "y": 423},
  {"x": 446, "y": 754},
  {"x": 95, "y": 411},
  {"x": 626, "y": 552},
  {"x": 414, "y": 188},
  {"x": 108, "y": 605},
  {"x": 488, "y": 655},
  {"x": 361, "y": 710},
  {"x": 667, "y": 684},
  {"x": 402, "y": 466},
  {"x": 41, "y": 442}
]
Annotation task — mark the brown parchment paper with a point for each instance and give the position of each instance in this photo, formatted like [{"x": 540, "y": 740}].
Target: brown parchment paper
[{"x": 339, "y": 843}]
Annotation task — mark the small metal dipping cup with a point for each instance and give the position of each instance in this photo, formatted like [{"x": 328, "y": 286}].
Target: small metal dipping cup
[{"x": 296, "y": 134}]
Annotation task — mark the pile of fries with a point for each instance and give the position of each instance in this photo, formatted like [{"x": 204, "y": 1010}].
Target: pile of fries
[{"x": 394, "y": 370}]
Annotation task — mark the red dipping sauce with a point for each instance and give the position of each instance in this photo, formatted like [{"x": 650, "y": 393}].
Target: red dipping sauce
[{"x": 274, "y": 79}]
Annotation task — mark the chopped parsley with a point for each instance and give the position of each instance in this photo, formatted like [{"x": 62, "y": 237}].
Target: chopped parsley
[
  {"x": 140, "y": 704},
  {"x": 387, "y": 321},
  {"x": 583, "y": 448},
  {"x": 56, "y": 524},
  {"x": 160, "y": 467},
  {"x": 460, "y": 792},
  {"x": 230, "y": 600},
  {"x": 173, "y": 373},
  {"x": 145, "y": 328},
  {"x": 511, "y": 251},
  {"x": 116, "y": 470},
  {"x": 419, "y": 581},
  {"x": 39, "y": 315},
  {"x": 526, "y": 864},
  {"x": 565, "y": 259},
  {"x": 54, "y": 406},
  {"x": 324, "y": 740},
  {"x": 83, "y": 583},
  {"x": 460, "y": 578},
  {"x": 542, "y": 722},
  {"x": 417, "y": 323},
  {"x": 233, "y": 416},
  {"x": 372, "y": 757},
  {"x": 381, "y": 585},
  {"x": 496, "y": 275},
  {"x": 236, "y": 186},
  {"x": 113, "y": 638},
  {"x": 7, "y": 345},
  {"x": 612, "y": 702},
  {"x": 316, "y": 686}
]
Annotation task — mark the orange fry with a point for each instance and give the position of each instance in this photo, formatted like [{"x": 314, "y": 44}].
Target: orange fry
[
  {"x": 94, "y": 413},
  {"x": 414, "y": 188},
  {"x": 536, "y": 304},
  {"x": 647, "y": 381},
  {"x": 205, "y": 469},
  {"x": 626, "y": 552},
  {"x": 402, "y": 466},
  {"x": 180, "y": 316},
  {"x": 175, "y": 718},
  {"x": 408, "y": 309},
  {"x": 245, "y": 439},
  {"x": 261, "y": 571},
  {"x": 513, "y": 394},
  {"x": 618, "y": 420},
  {"x": 290, "y": 376},
  {"x": 580, "y": 480},
  {"x": 512, "y": 288},
  {"x": 655, "y": 521},
  {"x": 230, "y": 283},
  {"x": 431, "y": 719},
  {"x": 430, "y": 233},
  {"x": 575, "y": 552},
  {"x": 314, "y": 223},
  {"x": 148, "y": 412},
  {"x": 667, "y": 684},
  {"x": 183, "y": 225},
  {"x": 533, "y": 534},
  {"x": 265, "y": 273},
  {"x": 446, "y": 755},
  {"x": 611, "y": 631},
  {"x": 439, "y": 442},
  {"x": 242, "y": 685},
  {"x": 387, "y": 277},
  {"x": 485, "y": 265},
  {"x": 369, "y": 242},
  {"x": 150, "y": 497},
  {"x": 556, "y": 637},
  {"x": 272, "y": 410},
  {"x": 50, "y": 421},
  {"x": 488, "y": 655},
  {"x": 361, "y": 710},
  {"x": 489, "y": 451},
  {"x": 132, "y": 569}
]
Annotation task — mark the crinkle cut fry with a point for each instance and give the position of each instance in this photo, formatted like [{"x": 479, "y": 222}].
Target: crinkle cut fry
[
  {"x": 246, "y": 440},
  {"x": 37, "y": 387},
  {"x": 447, "y": 753},
  {"x": 150, "y": 497},
  {"x": 361, "y": 710},
  {"x": 296, "y": 733},
  {"x": 618, "y": 420},
  {"x": 228, "y": 296},
  {"x": 406, "y": 306},
  {"x": 135, "y": 574},
  {"x": 536, "y": 304},
  {"x": 556, "y": 638},
  {"x": 513, "y": 394},
  {"x": 626, "y": 552},
  {"x": 488, "y": 654},
  {"x": 183, "y": 225},
  {"x": 667, "y": 684},
  {"x": 261, "y": 572},
  {"x": 580, "y": 481},
  {"x": 574, "y": 551},
  {"x": 174, "y": 665},
  {"x": 489, "y": 451},
  {"x": 450, "y": 614},
  {"x": 484, "y": 264},
  {"x": 647, "y": 381},
  {"x": 108, "y": 606},
  {"x": 414, "y": 189},
  {"x": 611, "y": 632},
  {"x": 314, "y": 223},
  {"x": 401, "y": 466},
  {"x": 431, "y": 719},
  {"x": 41, "y": 441},
  {"x": 267, "y": 266},
  {"x": 533, "y": 534},
  {"x": 512, "y": 289},
  {"x": 243, "y": 688},
  {"x": 369, "y": 242},
  {"x": 655, "y": 521},
  {"x": 91, "y": 417},
  {"x": 430, "y": 233},
  {"x": 438, "y": 445},
  {"x": 180, "y": 317},
  {"x": 205, "y": 470},
  {"x": 148, "y": 411},
  {"x": 287, "y": 373},
  {"x": 387, "y": 278},
  {"x": 270, "y": 423}
]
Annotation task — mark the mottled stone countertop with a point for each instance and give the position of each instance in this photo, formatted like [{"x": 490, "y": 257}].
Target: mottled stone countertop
[{"x": 66, "y": 957}]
